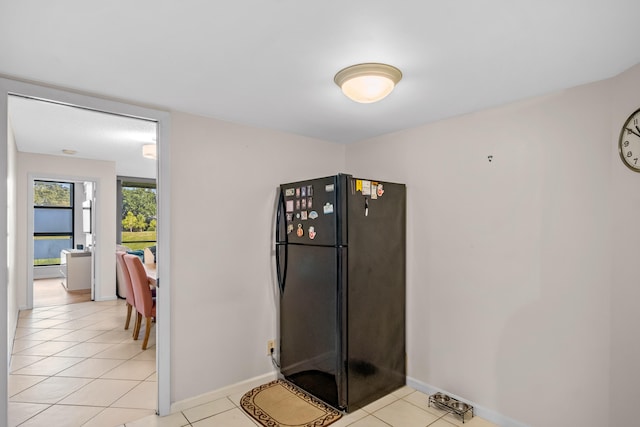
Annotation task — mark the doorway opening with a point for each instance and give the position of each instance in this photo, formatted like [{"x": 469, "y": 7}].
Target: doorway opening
[
  {"x": 63, "y": 240},
  {"x": 14, "y": 298}
]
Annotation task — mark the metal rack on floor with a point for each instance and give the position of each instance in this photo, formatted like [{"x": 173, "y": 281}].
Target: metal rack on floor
[{"x": 451, "y": 405}]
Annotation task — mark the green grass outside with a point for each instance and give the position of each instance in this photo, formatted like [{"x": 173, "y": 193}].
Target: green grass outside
[
  {"x": 46, "y": 261},
  {"x": 145, "y": 239}
]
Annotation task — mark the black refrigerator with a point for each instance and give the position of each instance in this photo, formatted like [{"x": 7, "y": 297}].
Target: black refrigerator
[{"x": 340, "y": 262}]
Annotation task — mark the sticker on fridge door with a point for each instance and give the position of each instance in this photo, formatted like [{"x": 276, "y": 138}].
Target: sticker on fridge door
[
  {"x": 289, "y": 205},
  {"x": 309, "y": 190},
  {"x": 290, "y": 217},
  {"x": 303, "y": 192},
  {"x": 300, "y": 231},
  {"x": 303, "y": 215},
  {"x": 366, "y": 188},
  {"x": 374, "y": 192},
  {"x": 328, "y": 208},
  {"x": 328, "y": 188},
  {"x": 289, "y": 228},
  {"x": 313, "y": 215},
  {"x": 312, "y": 233},
  {"x": 380, "y": 190},
  {"x": 290, "y": 192}
]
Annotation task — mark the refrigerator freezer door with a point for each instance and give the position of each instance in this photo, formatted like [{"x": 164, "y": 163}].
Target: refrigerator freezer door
[
  {"x": 310, "y": 211},
  {"x": 310, "y": 349}
]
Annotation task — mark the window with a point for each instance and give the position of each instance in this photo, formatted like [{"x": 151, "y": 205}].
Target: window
[
  {"x": 52, "y": 221},
  {"x": 138, "y": 213}
]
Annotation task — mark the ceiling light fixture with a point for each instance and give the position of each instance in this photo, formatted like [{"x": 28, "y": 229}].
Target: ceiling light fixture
[
  {"x": 367, "y": 83},
  {"x": 149, "y": 151}
]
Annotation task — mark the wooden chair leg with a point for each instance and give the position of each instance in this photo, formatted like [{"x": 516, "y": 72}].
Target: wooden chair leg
[
  {"x": 129, "y": 308},
  {"x": 146, "y": 333},
  {"x": 136, "y": 329}
]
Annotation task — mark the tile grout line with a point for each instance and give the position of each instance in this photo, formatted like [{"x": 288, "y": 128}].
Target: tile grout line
[
  {"x": 440, "y": 416},
  {"x": 103, "y": 313},
  {"x": 34, "y": 415}
]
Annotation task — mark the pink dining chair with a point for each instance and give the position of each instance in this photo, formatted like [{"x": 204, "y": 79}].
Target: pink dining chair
[
  {"x": 125, "y": 277},
  {"x": 145, "y": 305}
]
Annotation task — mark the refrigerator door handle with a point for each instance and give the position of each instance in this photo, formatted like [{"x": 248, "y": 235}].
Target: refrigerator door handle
[{"x": 281, "y": 273}]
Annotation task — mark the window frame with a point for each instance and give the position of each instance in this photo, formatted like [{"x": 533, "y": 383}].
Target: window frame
[
  {"x": 133, "y": 182},
  {"x": 36, "y": 207}
]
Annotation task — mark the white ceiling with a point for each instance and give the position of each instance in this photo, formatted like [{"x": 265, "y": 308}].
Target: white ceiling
[
  {"x": 48, "y": 128},
  {"x": 270, "y": 63}
]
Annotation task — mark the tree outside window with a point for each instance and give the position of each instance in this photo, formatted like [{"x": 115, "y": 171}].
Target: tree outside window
[{"x": 138, "y": 217}]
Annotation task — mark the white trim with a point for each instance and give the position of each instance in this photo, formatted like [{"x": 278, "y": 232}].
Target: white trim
[
  {"x": 240, "y": 387},
  {"x": 100, "y": 299},
  {"x": 163, "y": 330},
  {"x": 163, "y": 293},
  {"x": 4, "y": 258},
  {"x": 487, "y": 414}
]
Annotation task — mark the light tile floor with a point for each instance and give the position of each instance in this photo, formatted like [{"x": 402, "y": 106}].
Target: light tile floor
[
  {"x": 47, "y": 292},
  {"x": 403, "y": 408},
  {"x": 74, "y": 365}
]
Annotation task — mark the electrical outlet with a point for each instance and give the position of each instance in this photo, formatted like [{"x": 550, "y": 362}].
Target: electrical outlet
[{"x": 271, "y": 347}]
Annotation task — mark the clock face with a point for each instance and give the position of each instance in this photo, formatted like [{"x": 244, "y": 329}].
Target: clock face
[{"x": 629, "y": 143}]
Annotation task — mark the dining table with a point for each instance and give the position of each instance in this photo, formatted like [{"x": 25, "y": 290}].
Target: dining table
[{"x": 152, "y": 275}]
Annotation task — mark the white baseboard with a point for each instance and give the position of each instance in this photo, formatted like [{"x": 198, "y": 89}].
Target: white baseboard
[
  {"x": 12, "y": 328},
  {"x": 47, "y": 272},
  {"x": 223, "y": 392},
  {"x": 100, "y": 299},
  {"x": 482, "y": 412}
]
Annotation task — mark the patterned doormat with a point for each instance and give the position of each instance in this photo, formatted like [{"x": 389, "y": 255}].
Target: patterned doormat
[{"x": 281, "y": 404}]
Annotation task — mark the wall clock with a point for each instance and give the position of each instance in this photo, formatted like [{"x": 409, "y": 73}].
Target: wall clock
[{"x": 629, "y": 142}]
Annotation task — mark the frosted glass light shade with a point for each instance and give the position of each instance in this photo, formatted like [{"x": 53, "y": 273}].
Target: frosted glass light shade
[
  {"x": 149, "y": 151},
  {"x": 367, "y": 83}
]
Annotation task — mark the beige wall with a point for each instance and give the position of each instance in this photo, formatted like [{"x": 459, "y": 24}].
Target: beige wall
[
  {"x": 58, "y": 167},
  {"x": 223, "y": 194},
  {"x": 625, "y": 256},
  {"x": 509, "y": 268}
]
